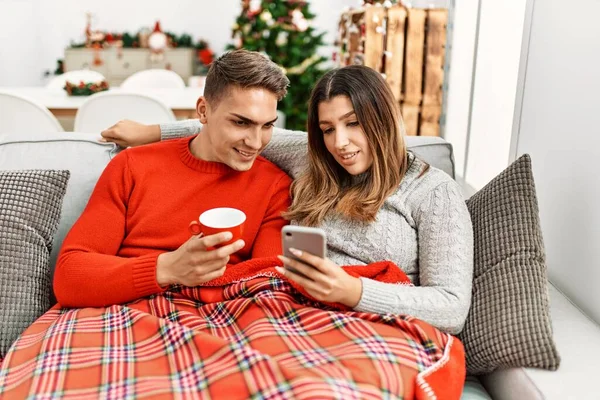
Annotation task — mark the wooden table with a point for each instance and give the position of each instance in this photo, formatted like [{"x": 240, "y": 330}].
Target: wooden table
[{"x": 181, "y": 101}]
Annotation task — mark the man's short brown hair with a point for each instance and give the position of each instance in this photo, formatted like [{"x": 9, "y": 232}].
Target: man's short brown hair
[{"x": 244, "y": 69}]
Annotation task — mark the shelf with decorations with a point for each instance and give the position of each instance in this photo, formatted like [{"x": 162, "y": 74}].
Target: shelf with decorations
[
  {"x": 118, "y": 55},
  {"x": 407, "y": 45}
]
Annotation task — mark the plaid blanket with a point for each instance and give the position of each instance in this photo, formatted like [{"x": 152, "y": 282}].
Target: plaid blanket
[{"x": 258, "y": 338}]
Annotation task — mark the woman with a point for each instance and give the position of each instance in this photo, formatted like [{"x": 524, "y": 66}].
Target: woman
[{"x": 375, "y": 200}]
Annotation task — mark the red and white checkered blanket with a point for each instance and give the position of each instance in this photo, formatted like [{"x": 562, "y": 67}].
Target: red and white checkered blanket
[{"x": 256, "y": 338}]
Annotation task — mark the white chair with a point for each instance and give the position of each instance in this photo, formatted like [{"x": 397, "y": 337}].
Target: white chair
[
  {"x": 104, "y": 109},
  {"x": 20, "y": 114},
  {"x": 77, "y": 76},
  {"x": 153, "y": 78}
]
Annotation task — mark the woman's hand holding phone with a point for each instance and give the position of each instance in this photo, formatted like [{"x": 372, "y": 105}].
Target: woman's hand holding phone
[{"x": 322, "y": 278}]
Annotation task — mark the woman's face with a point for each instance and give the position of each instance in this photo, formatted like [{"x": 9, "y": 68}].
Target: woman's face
[{"x": 343, "y": 136}]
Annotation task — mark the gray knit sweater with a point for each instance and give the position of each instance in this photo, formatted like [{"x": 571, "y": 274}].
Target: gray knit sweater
[{"x": 424, "y": 228}]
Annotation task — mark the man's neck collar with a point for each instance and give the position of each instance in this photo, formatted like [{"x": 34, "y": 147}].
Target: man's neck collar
[{"x": 201, "y": 147}]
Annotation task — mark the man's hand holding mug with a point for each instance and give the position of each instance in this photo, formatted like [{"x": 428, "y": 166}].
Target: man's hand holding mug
[{"x": 205, "y": 255}]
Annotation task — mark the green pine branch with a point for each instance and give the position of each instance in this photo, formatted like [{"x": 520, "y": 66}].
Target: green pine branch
[{"x": 287, "y": 46}]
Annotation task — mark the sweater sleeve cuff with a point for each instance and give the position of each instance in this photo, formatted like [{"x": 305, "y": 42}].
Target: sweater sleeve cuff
[
  {"x": 179, "y": 129},
  {"x": 373, "y": 299},
  {"x": 144, "y": 276}
]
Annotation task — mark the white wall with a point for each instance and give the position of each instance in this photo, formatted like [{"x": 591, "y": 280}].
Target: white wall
[
  {"x": 461, "y": 48},
  {"x": 46, "y": 27},
  {"x": 482, "y": 79},
  {"x": 560, "y": 128},
  {"x": 19, "y": 58},
  {"x": 494, "y": 92}
]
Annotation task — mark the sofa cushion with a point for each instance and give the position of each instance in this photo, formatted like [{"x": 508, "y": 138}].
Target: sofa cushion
[
  {"x": 433, "y": 150},
  {"x": 79, "y": 153},
  {"x": 30, "y": 205},
  {"x": 509, "y": 322}
]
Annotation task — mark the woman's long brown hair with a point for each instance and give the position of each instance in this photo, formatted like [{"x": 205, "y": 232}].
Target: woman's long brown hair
[{"x": 326, "y": 186}]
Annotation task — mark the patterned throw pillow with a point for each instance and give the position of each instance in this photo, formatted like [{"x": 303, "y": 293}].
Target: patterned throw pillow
[
  {"x": 509, "y": 322},
  {"x": 30, "y": 205}
]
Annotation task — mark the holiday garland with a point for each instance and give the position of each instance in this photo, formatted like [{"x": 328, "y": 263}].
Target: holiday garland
[
  {"x": 128, "y": 40},
  {"x": 85, "y": 88}
]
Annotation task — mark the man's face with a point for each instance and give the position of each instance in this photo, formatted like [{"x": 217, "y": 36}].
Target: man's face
[{"x": 238, "y": 127}]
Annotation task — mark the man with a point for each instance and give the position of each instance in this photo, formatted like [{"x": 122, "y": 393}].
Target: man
[{"x": 127, "y": 244}]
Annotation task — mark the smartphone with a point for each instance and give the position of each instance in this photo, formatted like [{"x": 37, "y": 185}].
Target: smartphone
[{"x": 310, "y": 240}]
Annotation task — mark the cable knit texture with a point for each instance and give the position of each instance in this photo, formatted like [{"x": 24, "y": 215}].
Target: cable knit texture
[
  {"x": 424, "y": 228},
  {"x": 180, "y": 129}
]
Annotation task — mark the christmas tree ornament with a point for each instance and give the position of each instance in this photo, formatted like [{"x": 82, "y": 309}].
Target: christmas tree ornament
[
  {"x": 157, "y": 42},
  {"x": 267, "y": 17},
  {"x": 291, "y": 43},
  {"x": 299, "y": 21},
  {"x": 302, "y": 25},
  {"x": 282, "y": 38},
  {"x": 254, "y": 8}
]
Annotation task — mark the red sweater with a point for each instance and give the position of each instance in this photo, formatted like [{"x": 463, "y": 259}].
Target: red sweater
[{"x": 142, "y": 206}]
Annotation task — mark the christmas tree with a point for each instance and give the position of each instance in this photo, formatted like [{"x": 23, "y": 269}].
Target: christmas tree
[{"x": 282, "y": 30}]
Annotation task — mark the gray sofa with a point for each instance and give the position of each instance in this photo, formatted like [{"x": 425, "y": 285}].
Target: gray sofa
[{"x": 577, "y": 337}]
